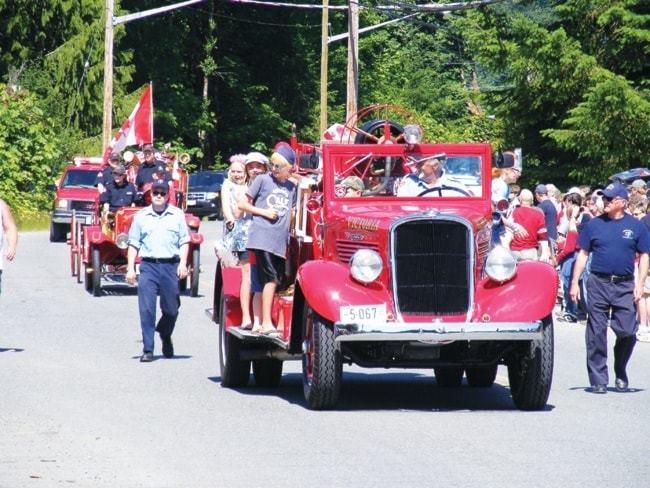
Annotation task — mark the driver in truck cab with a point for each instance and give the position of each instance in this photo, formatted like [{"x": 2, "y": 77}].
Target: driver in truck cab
[{"x": 429, "y": 180}]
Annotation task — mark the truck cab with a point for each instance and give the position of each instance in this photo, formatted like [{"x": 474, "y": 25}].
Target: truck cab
[{"x": 75, "y": 191}]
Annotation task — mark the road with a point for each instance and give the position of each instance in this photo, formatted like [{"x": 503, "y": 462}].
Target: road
[{"x": 77, "y": 408}]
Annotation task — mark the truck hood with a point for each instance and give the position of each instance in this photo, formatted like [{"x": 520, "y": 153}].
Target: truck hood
[{"x": 384, "y": 214}]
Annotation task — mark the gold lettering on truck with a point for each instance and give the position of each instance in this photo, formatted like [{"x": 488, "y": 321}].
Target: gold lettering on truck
[{"x": 363, "y": 224}]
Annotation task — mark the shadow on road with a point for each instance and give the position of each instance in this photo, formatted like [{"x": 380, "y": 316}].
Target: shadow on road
[{"x": 395, "y": 391}]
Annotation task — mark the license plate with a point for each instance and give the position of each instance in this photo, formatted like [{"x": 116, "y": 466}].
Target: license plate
[
  {"x": 191, "y": 202},
  {"x": 363, "y": 314}
]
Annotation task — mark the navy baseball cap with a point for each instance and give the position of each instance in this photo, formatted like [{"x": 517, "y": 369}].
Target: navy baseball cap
[
  {"x": 614, "y": 190},
  {"x": 160, "y": 185}
]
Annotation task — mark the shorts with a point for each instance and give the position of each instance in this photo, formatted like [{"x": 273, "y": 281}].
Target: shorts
[
  {"x": 270, "y": 268},
  {"x": 256, "y": 287}
]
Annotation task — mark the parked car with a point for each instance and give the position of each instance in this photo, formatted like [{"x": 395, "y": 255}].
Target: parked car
[
  {"x": 204, "y": 194},
  {"x": 75, "y": 191}
]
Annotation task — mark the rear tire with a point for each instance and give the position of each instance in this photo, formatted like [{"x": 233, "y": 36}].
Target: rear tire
[
  {"x": 481, "y": 376},
  {"x": 449, "y": 377},
  {"x": 530, "y": 370},
  {"x": 322, "y": 369},
  {"x": 235, "y": 373},
  {"x": 267, "y": 372}
]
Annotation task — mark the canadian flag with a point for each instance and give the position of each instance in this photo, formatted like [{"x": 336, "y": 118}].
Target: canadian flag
[{"x": 137, "y": 129}]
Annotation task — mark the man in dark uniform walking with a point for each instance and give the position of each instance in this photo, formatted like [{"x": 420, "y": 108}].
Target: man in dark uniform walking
[
  {"x": 160, "y": 237},
  {"x": 613, "y": 239}
]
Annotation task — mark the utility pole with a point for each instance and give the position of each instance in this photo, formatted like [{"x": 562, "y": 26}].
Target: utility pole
[
  {"x": 111, "y": 22},
  {"x": 353, "y": 60},
  {"x": 108, "y": 76},
  {"x": 323, "y": 66}
]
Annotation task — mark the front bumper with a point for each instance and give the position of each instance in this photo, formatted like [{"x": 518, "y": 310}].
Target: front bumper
[
  {"x": 65, "y": 216},
  {"x": 433, "y": 333},
  {"x": 204, "y": 208}
]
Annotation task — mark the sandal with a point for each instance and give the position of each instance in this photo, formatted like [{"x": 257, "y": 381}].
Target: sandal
[
  {"x": 247, "y": 327},
  {"x": 271, "y": 331},
  {"x": 257, "y": 329}
]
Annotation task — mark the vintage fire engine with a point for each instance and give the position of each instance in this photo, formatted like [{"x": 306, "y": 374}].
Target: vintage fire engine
[
  {"x": 98, "y": 242},
  {"x": 382, "y": 280}
]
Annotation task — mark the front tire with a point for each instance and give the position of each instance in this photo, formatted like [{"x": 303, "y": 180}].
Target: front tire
[
  {"x": 58, "y": 232},
  {"x": 235, "y": 373},
  {"x": 97, "y": 272},
  {"x": 322, "y": 369},
  {"x": 530, "y": 370},
  {"x": 196, "y": 269}
]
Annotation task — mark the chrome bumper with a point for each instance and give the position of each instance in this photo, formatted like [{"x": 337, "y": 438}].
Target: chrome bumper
[{"x": 433, "y": 333}]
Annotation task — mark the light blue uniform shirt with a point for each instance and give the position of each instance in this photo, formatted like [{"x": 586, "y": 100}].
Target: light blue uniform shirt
[{"x": 159, "y": 236}]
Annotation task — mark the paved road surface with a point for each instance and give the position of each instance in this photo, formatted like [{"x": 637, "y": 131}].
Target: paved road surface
[{"x": 78, "y": 409}]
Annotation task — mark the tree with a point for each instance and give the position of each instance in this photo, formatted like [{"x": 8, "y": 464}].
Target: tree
[{"x": 30, "y": 151}]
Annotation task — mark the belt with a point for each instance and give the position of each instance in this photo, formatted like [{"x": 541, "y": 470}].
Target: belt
[
  {"x": 162, "y": 260},
  {"x": 613, "y": 278}
]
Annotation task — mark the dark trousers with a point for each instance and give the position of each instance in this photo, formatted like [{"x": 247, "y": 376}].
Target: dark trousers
[
  {"x": 617, "y": 299},
  {"x": 157, "y": 279}
]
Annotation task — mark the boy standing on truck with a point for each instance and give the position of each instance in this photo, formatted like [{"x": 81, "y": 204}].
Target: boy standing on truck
[{"x": 270, "y": 199}]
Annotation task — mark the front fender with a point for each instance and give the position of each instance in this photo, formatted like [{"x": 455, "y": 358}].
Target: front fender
[
  {"x": 326, "y": 286},
  {"x": 196, "y": 239},
  {"x": 530, "y": 295}
]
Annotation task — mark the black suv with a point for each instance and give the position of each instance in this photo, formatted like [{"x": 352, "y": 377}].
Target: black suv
[{"x": 204, "y": 194}]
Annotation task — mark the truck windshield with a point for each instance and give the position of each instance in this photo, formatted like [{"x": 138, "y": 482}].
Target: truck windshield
[
  {"x": 427, "y": 175},
  {"x": 79, "y": 179},
  {"x": 206, "y": 179}
]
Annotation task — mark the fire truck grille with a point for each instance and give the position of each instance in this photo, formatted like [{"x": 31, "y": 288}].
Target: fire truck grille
[
  {"x": 432, "y": 267},
  {"x": 82, "y": 205},
  {"x": 345, "y": 249}
]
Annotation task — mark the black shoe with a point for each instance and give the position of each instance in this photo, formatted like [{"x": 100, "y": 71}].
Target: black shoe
[
  {"x": 599, "y": 389},
  {"x": 621, "y": 384},
  {"x": 167, "y": 347},
  {"x": 146, "y": 357}
]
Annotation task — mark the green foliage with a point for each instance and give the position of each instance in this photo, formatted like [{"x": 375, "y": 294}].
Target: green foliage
[
  {"x": 30, "y": 152},
  {"x": 566, "y": 80}
]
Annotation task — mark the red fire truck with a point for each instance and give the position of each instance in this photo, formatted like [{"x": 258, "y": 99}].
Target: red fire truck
[{"x": 384, "y": 280}]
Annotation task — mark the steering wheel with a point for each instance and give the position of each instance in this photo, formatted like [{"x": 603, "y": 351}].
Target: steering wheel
[{"x": 380, "y": 124}]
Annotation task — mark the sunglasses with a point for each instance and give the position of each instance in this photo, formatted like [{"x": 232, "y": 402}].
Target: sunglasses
[
  {"x": 278, "y": 167},
  {"x": 158, "y": 193},
  {"x": 607, "y": 199},
  {"x": 118, "y": 174}
]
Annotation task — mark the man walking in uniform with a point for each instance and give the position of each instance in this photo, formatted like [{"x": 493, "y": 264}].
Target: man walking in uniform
[
  {"x": 613, "y": 239},
  {"x": 159, "y": 235}
]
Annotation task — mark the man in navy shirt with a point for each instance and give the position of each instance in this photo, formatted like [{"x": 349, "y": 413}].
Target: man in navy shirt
[
  {"x": 613, "y": 239},
  {"x": 119, "y": 193},
  {"x": 149, "y": 167}
]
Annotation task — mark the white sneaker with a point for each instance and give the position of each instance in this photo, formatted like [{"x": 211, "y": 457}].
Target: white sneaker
[{"x": 643, "y": 335}]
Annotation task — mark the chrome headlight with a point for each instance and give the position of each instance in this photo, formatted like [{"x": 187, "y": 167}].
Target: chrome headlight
[
  {"x": 366, "y": 265},
  {"x": 211, "y": 195},
  {"x": 61, "y": 204},
  {"x": 500, "y": 264},
  {"x": 122, "y": 241}
]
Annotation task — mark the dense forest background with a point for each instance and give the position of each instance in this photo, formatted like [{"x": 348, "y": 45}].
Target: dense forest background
[{"x": 565, "y": 80}]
